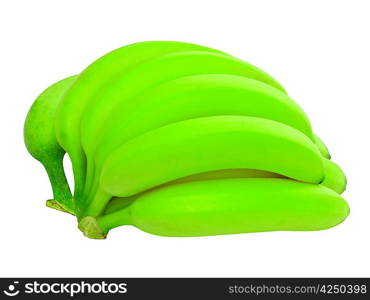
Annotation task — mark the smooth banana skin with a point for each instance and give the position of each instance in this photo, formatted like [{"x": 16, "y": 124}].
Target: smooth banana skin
[
  {"x": 41, "y": 142},
  {"x": 94, "y": 81},
  {"x": 186, "y": 98},
  {"x": 202, "y": 145},
  {"x": 122, "y": 95},
  {"x": 117, "y": 203},
  {"x": 335, "y": 178},
  {"x": 208, "y": 144},
  {"x": 226, "y": 206},
  {"x": 322, "y": 147}
]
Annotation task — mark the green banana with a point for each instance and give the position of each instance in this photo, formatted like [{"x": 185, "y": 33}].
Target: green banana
[
  {"x": 183, "y": 140},
  {"x": 226, "y": 206},
  {"x": 322, "y": 147},
  {"x": 335, "y": 178},
  {"x": 186, "y": 98},
  {"x": 148, "y": 75},
  {"x": 41, "y": 143},
  {"x": 92, "y": 83},
  {"x": 117, "y": 203},
  {"x": 206, "y": 144}
]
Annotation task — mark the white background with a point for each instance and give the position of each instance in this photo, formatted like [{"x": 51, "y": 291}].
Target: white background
[{"x": 319, "y": 50}]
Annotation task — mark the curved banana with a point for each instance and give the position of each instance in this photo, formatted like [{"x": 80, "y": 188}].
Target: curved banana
[
  {"x": 41, "y": 143},
  {"x": 335, "y": 178},
  {"x": 226, "y": 206},
  {"x": 117, "y": 203},
  {"x": 186, "y": 98},
  {"x": 206, "y": 144},
  {"x": 92, "y": 83},
  {"x": 155, "y": 72}
]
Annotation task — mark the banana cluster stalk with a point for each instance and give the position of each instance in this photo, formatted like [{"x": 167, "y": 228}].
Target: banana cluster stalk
[{"x": 179, "y": 139}]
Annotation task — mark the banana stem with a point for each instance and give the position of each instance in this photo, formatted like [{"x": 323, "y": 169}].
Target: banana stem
[
  {"x": 87, "y": 195},
  {"x": 98, "y": 228},
  {"x": 78, "y": 166},
  {"x": 96, "y": 206},
  {"x": 61, "y": 192},
  {"x": 88, "y": 187},
  {"x": 118, "y": 218}
]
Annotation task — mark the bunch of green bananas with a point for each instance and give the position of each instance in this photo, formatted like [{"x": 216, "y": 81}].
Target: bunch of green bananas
[{"x": 183, "y": 140}]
